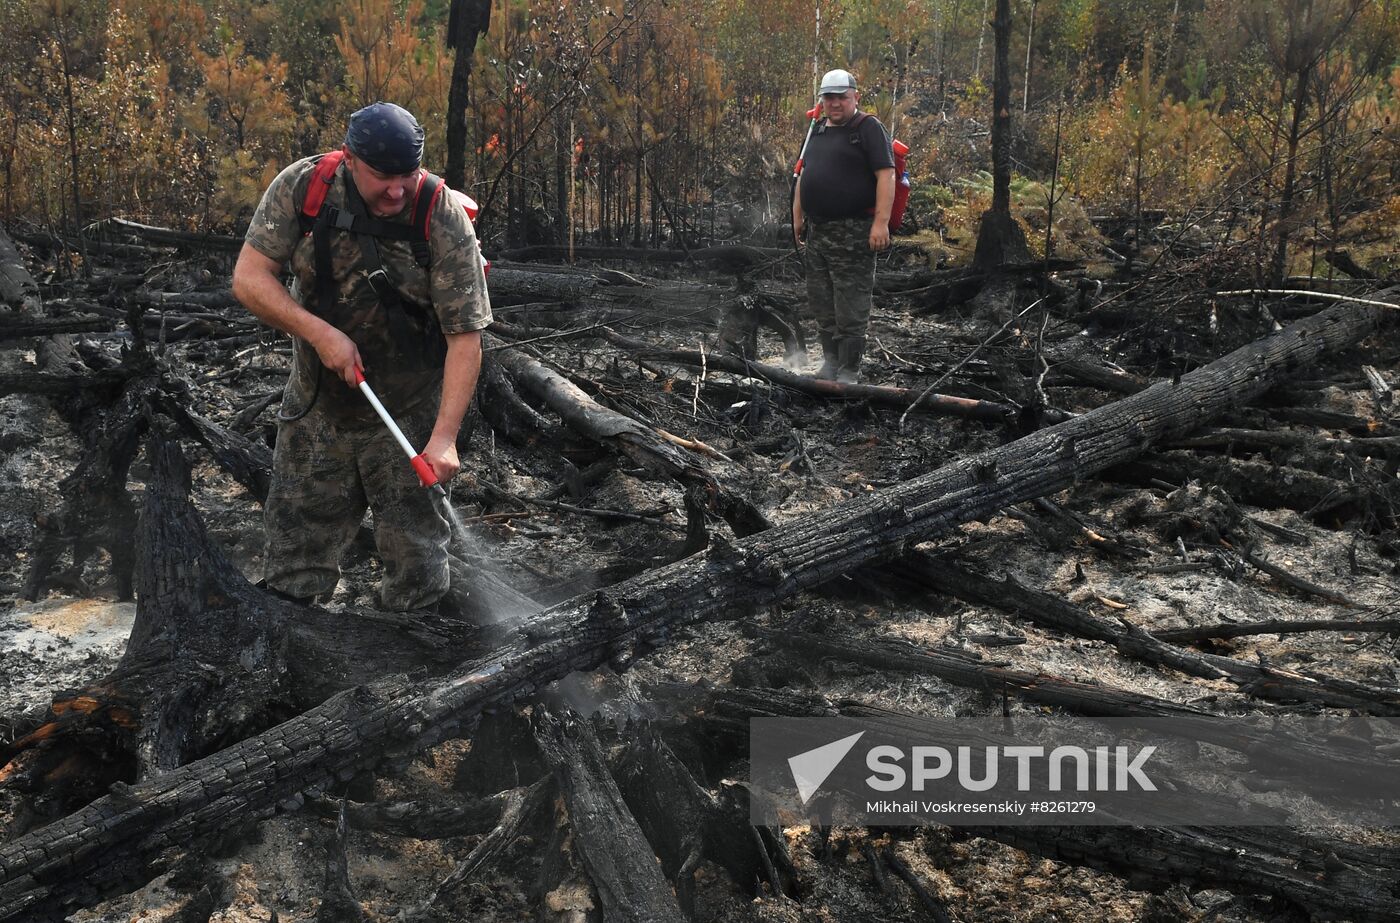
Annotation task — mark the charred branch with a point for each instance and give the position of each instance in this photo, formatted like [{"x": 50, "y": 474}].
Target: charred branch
[{"x": 614, "y": 851}]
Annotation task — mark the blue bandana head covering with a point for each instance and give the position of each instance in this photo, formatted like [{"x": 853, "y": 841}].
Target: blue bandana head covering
[{"x": 387, "y": 137}]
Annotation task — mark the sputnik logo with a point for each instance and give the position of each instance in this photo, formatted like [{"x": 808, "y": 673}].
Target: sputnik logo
[{"x": 810, "y": 769}]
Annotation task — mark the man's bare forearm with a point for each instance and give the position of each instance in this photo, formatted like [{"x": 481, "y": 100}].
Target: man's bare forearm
[
  {"x": 459, "y": 374},
  {"x": 257, "y": 285},
  {"x": 884, "y": 195}
]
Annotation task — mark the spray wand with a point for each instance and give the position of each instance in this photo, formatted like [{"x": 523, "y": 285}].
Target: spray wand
[
  {"x": 814, "y": 114},
  {"x": 420, "y": 464}
]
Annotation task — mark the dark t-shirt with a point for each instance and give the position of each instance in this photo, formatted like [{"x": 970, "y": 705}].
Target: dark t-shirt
[{"x": 838, "y": 171}]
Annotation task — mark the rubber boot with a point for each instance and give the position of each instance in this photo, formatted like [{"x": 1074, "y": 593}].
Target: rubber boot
[
  {"x": 849, "y": 351},
  {"x": 829, "y": 353}
]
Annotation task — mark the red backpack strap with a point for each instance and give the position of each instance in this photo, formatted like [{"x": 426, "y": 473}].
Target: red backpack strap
[
  {"x": 430, "y": 189},
  {"x": 322, "y": 176}
]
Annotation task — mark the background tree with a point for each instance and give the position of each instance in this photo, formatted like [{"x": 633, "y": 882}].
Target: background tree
[
  {"x": 466, "y": 23},
  {"x": 1000, "y": 240}
]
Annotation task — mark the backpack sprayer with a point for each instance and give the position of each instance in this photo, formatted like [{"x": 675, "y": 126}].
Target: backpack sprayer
[{"x": 420, "y": 464}]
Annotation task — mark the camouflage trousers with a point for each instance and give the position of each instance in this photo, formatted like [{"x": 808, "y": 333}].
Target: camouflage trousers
[
  {"x": 325, "y": 472},
  {"x": 840, "y": 276}
]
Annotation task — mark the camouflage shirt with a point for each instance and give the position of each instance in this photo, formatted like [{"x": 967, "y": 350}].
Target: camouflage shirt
[{"x": 452, "y": 287}]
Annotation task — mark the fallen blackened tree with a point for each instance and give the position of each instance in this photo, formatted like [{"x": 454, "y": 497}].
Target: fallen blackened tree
[{"x": 126, "y": 837}]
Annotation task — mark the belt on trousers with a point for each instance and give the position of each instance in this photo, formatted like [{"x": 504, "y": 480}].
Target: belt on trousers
[{"x": 818, "y": 219}]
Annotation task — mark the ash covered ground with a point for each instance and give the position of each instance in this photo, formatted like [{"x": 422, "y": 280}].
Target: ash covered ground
[{"x": 793, "y": 455}]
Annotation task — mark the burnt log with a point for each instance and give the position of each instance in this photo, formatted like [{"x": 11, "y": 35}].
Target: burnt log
[
  {"x": 685, "y": 301},
  {"x": 338, "y": 903},
  {"x": 168, "y": 701},
  {"x": 1052, "y": 612},
  {"x": 881, "y": 395},
  {"x": 684, "y": 822},
  {"x": 725, "y": 255},
  {"x": 104, "y": 382},
  {"x": 521, "y": 810},
  {"x": 211, "y": 659},
  {"x": 20, "y": 327},
  {"x": 615, "y": 853},
  {"x": 1267, "y": 440},
  {"x": 167, "y": 237},
  {"x": 1224, "y": 631},
  {"x": 17, "y": 287},
  {"x": 97, "y": 512},
  {"x": 632, "y": 439},
  {"x": 421, "y": 820},
  {"x": 1256, "y": 483},
  {"x": 119, "y": 840}
]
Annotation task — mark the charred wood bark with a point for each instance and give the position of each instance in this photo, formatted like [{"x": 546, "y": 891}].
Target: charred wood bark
[
  {"x": 727, "y": 256},
  {"x": 58, "y": 384},
  {"x": 509, "y": 416},
  {"x": 1049, "y": 611},
  {"x": 883, "y": 395},
  {"x": 962, "y": 669},
  {"x": 1266, "y": 440},
  {"x": 1101, "y": 376},
  {"x": 1256, "y": 483},
  {"x": 632, "y": 439},
  {"x": 421, "y": 820},
  {"x": 614, "y": 851},
  {"x": 1225, "y": 630},
  {"x": 1332, "y": 419},
  {"x": 198, "y": 241},
  {"x": 248, "y": 462},
  {"x": 1090, "y": 699},
  {"x": 684, "y": 822},
  {"x": 522, "y": 810},
  {"x": 937, "y": 910},
  {"x": 115, "y": 841},
  {"x": 20, "y": 327},
  {"x": 211, "y": 659},
  {"x": 338, "y": 904},
  {"x": 17, "y": 287},
  {"x": 97, "y": 512},
  {"x": 692, "y": 302}
]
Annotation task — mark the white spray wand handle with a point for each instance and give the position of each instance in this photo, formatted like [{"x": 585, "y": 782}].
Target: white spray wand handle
[{"x": 425, "y": 472}]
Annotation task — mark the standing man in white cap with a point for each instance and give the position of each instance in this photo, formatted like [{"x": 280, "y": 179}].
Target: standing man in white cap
[{"x": 843, "y": 199}]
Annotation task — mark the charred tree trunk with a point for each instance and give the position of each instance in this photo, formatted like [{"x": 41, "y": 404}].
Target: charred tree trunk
[
  {"x": 616, "y": 855},
  {"x": 1000, "y": 239},
  {"x": 466, "y": 21},
  {"x": 124, "y": 838},
  {"x": 17, "y": 287}
]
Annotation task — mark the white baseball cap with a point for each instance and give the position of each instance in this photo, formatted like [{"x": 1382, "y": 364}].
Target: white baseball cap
[{"x": 837, "y": 81}]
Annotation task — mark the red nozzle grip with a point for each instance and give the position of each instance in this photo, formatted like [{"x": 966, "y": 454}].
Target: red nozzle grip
[
  {"x": 359, "y": 375},
  {"x": 814, "y": 111},
  {"x": 425, "y": 471}
]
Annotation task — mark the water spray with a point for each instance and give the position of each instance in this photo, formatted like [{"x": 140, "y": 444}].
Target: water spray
[{"x": 426, "y": 476}]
